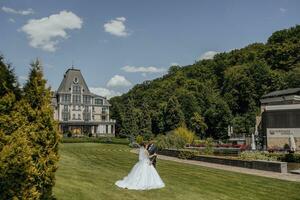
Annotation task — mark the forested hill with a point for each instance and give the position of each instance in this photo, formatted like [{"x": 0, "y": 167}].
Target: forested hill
[{"x": 211, "y": 94}]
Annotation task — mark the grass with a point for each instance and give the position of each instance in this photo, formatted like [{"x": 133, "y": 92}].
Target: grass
[{"x": 89, "y": 171}]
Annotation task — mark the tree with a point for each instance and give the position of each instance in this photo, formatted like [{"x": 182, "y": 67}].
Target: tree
[
  {"x": 158, "y": 120},
  {"x": 145, "y": 123},
  {"x": 217, "y": 117},
  {"x": 8, "y": 80},
  {"x": 117, "y": 114},
  {"x": 17, "y": 170},
  {"x": 229, "y": 85},
  {"x": 44, "y": 137},
  {"x": 130, "y": 122},
  {"x": 173, "y": 115},
  {"x": 198, "y": 124},
  {"x": 188, "y": 104},
  {"x": 18, "y": 173}
]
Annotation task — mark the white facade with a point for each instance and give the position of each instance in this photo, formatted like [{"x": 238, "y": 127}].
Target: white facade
[{"x": 79, "y": 111}]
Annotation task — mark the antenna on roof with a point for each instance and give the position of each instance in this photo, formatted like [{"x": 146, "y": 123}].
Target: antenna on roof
[{"x": 72, "y": 64}]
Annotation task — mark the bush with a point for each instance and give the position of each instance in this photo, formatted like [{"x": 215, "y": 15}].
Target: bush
[
  {"x": 187, "y": 154},
  {"x": 107, "y": 140},
  {"x": 161, "y": 142},
  {"x": 95, "y": 140},
  {"x": 198, "y": 143},
  {"x": 187, "y": 135},
  {"x": 292, "y": 157},
  {"x": 139, "y": 139},
  {"x": 169, "y": 141},
  {"x": 90, "y": 134},
  {"x": 255, "y": 155},
  {"x": 286, "y": 157},
  {"x": 174, "y": 141},
  {"x": 209, "y": 146}
]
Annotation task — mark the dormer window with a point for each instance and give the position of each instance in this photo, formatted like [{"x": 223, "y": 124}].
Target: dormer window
[
  {"x": 75, "y": 80},
  {"x": 99, "y": 101}
]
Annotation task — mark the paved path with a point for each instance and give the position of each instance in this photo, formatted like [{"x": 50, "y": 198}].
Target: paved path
[{"x": 282, "y": 176}]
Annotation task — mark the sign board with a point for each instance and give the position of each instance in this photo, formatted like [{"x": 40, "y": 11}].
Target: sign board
[{"x": 283, "y": 132}]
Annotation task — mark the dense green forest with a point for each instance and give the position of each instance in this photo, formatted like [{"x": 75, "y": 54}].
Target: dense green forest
[{"x": 209, "y": 95}]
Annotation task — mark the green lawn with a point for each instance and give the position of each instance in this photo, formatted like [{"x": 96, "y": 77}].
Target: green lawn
[{"x": 89, "y": 170}]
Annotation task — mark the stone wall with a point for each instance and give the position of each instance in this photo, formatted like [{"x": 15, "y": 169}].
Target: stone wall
[{"x": 273, "y": 166}]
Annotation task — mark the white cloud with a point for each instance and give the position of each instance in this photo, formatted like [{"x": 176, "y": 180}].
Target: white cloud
[
  {"x": 44, "y": 33},
  {"x": 11, "y": 20},
  {"x": 151, "y": 69},
  {"x": 282, "y": 10},
  {"x": 104, "y": 92},
  {"x": 116, "y": 27},
  {"x": 118, "y": 81},
  {"x": 29, "y": 11},
  {"x": 174, "y": 64},
  {"x": 208, "y": 55}
]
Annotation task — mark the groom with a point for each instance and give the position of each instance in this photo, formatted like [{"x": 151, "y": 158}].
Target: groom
[{"x": 152, "y": 149}]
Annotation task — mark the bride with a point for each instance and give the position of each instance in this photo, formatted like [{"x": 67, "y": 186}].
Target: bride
[{"x": 143, "y": 175}]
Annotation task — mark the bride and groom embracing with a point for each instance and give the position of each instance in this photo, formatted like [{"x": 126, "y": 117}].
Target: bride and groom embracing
[{"x": 143, "y": 175}]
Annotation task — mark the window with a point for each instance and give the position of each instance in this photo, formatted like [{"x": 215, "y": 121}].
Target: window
[
  {"x": 75, "y": 80},
  {"x": 86, "y": 108},
  {"x": 65, "y": 98},
  {"x": 76, "y": 98},
  {"x": 79, "y": 116},
  {"x": 104, "y": 111},
  {"x": 65, "y": 116},
  {"x": 86, "y": 116},
  {"x": 103, "y": 118},
  {"x": 65, "y": 108},
  {"x": 76, "y": 89},
  {"x": 73, "y": 116},
  {"x": 93, "y": 109},
  {"x": 93, "y": 117},
  {"x": 99, "y": 101},
  {"x": 86, "y": 99},
  {"x": 106, "y": 128}
]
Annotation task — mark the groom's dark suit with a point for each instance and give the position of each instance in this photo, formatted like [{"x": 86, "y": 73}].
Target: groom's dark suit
[{"x": 152, "y": 149}]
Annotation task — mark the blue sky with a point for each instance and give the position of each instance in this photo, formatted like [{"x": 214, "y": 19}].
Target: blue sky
[{"x": 117, "y": 44}]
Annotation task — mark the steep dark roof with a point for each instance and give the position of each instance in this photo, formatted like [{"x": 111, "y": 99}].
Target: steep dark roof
[
  {"x": 67, "y": 81},
  {"x": 278, "y": 93}
]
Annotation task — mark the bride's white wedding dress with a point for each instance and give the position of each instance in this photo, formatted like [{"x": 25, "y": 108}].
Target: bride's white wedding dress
[{"x": 143, "y": 175}]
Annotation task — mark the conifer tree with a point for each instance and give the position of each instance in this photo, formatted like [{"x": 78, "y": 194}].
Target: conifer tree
[
  {"x": 17, "y": 169},
  {"x": 173, "y": 115},
  {"x": 130, "y": 126},
  {"x": 8, "y": 80},
  {"x": 45, "y": 136}
]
